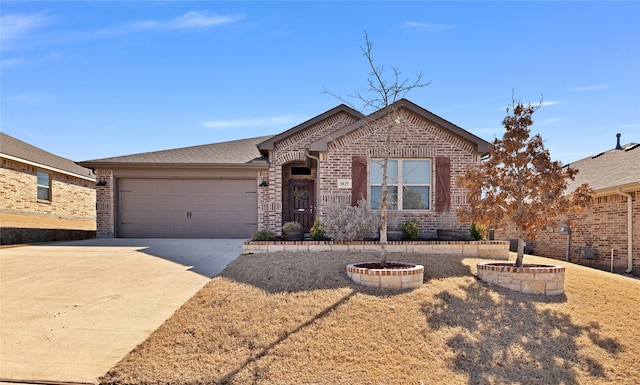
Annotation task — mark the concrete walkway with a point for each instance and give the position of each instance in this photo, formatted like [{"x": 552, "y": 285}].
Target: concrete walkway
[{"x": 70, "y": 311}]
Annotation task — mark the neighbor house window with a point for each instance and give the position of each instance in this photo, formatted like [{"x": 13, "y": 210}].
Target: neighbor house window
[
  {"x": 408, "y": 183},
  {"x": 44, "y": 186}
]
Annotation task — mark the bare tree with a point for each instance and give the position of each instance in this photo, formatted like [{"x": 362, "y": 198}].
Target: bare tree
[
  {"x": 380, "y": 95},
  {"x": 519, "y": 185}
]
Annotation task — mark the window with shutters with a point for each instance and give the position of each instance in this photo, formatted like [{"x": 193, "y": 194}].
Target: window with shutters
[{"x": 408, "y": 183}]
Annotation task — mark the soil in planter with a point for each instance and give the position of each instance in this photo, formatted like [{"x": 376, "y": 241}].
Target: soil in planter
[
  {"x": 389, "y": 265},
  {"x": 511, "y": 264}
]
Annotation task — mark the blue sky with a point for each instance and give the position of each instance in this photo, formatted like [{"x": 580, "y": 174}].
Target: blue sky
[{"x": 94, "y": 79}]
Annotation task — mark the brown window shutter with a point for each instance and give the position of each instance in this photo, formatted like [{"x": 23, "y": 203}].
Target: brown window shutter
[
  {"x": 443, "y": 183},
  {"x": 358, "y": 179}
]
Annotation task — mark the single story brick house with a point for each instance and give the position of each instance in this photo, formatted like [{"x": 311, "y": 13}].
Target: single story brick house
[
  {"x": 43, "y": 191},
  {"x": 609, "y": 224},
  {"x": 232, "y": 189}
]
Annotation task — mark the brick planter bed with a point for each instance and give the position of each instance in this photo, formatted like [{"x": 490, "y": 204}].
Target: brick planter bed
[
  {"x": 486, "y": 249},
  {"x": 399, "y": 275},
  {"x": 534, "y": 279}
]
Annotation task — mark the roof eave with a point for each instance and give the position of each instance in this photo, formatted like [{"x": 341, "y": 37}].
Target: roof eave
[
  {"x": 484, "y": 149},
  {"x": 46, "y": 167},
  {"x": 107, "y": 165},
  {"x": 625, "y": 188},
  {"x": 270, "y": 143},
  {"x": 482, "y": 146}
]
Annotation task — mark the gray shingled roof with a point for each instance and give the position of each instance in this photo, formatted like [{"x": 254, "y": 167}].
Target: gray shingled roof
[
  {"x": 609, "y": 170},
  {"x": 237, "y": 152},
  {"x": 22, "y": 150}
]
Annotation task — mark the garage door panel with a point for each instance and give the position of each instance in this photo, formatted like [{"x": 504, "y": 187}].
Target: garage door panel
[
  {"x": 234, "y": 200},
  {"x": 247, "y": 217},
  {"x": 187, "y": 208}
]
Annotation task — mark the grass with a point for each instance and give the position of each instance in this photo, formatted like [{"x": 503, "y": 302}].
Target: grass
[
  {"x": 296, "y": 318},
  {"x": 43, "y": 222}
]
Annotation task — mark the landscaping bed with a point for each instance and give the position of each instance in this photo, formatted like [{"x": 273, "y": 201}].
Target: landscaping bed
[
  {"x": 528, "y": 278},
  {"x": 487, "y": 249}
]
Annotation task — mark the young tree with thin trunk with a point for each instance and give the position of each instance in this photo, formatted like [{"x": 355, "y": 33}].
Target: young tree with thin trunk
[
  {"x": 380, "y": 95},
  {"x": 519, "y": 185}
]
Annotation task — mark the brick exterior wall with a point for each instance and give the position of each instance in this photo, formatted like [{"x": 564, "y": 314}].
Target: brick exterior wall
[
  {"x": 603, "y": 226},
  {"x": 291, "y": 151},
  {"x": 71, "y": 197},
  {"x": 414, "y": 138},
  {"x": 105, "y": 204}
]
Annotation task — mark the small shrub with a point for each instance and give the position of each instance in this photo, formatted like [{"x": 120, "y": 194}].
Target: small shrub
[
  {"x": 348, "y": 223},
  {"x": 410, "y": 229},
  {"x": 263, "y": 235},
  {"x": 291, "y": 226},
  {"x": 477, "y": 231},
  {"x": 317, "y": 231}
]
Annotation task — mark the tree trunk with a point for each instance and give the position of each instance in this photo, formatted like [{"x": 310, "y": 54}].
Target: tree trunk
[
  {"x": 519, "y": 230},
  {"x": 520, "y": 256},
  {"x": 383, "y": 213}
]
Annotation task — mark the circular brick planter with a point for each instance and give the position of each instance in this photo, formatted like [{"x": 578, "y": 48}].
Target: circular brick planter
[
  {"x": 407, "y": 276},
  {"x": 530, "y": 278}
]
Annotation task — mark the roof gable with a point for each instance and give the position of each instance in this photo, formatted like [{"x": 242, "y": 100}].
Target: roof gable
[
  {"x": 11, "y": 147},
  {"x": 481, "y": 145},
  {"x": 270, "y": 143},
  {"x": 232, "y": 153},
  {"x": 608, "y": 170}
]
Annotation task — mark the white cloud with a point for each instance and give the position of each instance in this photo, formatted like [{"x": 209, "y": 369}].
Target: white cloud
[
  {"x": 33, "y": 97},
  {"x": 627, "y": 126},
  {"x": 591, "y": 88},
  {"x": 548, "y": 121},
  {"x": 429, "y": 27},
  {"x": 486, "y": 130},
  {"x": 254, "y": 122},
  {"x": 16, "y": 61},
  {"x": 198, "y": 20},
  {"x": 17, "y": 25},
  {"x": 6, "y": 63},
  {"x": 190, "y": 20},
  {"x": 14, "y": 26}
]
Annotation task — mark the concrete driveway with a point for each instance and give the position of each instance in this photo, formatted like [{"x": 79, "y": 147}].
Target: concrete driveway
[{"x": 70, "y": 311}]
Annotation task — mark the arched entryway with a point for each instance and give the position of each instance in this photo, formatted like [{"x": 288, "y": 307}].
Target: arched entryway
[{"x": 299, "y": 194}]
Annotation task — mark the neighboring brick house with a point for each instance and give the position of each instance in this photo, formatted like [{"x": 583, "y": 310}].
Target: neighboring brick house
[
  {"x": 610, "y": 223},
  {"x": 40, "y": 190},
  {"x": 233, "y": 189}
]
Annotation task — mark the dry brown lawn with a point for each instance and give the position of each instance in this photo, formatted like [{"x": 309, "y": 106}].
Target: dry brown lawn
[
  {"x": 296, "y": 318},
  {"x": 41, "y": 222}
]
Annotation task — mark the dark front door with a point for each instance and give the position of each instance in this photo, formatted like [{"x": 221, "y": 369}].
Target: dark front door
[{"x": 301, "y": 202}]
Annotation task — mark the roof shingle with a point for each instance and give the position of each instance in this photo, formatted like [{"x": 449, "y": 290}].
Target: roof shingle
[
  {"x": 608, "y": 170},
  {"x": 22, "y": 150},
  {"x": 244, "y": 151}
]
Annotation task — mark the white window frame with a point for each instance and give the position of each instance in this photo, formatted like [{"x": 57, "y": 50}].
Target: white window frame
[
  {"x": 42, "y": 187},
  {"x": 398, "y": 182}
]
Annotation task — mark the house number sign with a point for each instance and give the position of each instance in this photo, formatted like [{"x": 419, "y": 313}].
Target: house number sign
[{"x": 344, "y": 183}]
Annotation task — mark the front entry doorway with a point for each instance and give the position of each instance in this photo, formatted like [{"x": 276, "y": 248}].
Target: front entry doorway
[{"x": 301, "y": 202}]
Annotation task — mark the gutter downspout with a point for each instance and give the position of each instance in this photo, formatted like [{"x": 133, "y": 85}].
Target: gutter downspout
[
  {"x": 629, "y": 230},
  {"x": 308, "y": 154}
]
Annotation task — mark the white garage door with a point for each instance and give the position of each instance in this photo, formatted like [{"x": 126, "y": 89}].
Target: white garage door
[{"x": 179, "y": 208}]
